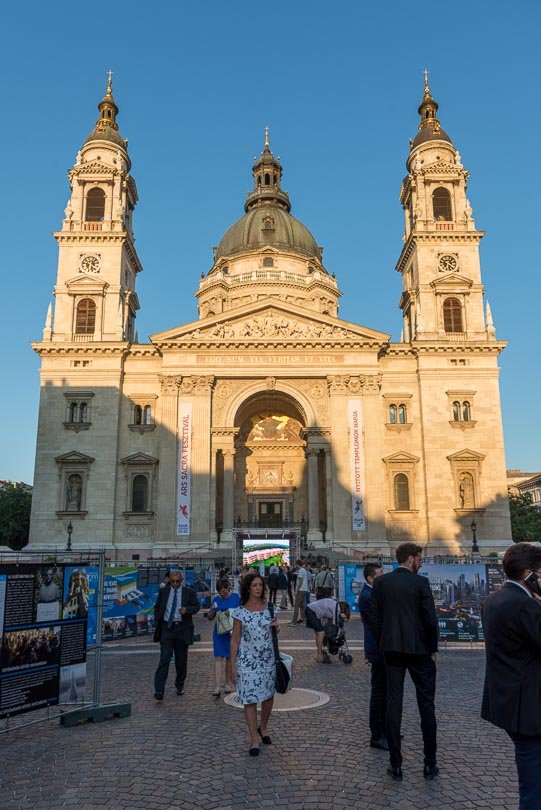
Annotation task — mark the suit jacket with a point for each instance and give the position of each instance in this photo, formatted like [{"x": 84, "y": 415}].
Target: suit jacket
[
  {"x": 189, "y": 601},
  {"x": 402, "y": 614},
  {"x": 512, "y": 629},
  {"x": 365, "y": 600}
]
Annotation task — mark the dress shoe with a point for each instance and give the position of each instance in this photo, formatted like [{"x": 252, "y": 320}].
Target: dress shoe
[
  {"x": 180, "y": 691},
  {"x": 254, "y": 751},
  {"x": 158, "y": 695},
  {"x": 380, "y": 743},
  {"x": 430, "y": 771},
  {"x": 265, "y": 739},
  {"x": 396, "y": 773}
]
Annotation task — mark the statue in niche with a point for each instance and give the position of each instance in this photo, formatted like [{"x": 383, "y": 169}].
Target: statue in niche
[
  {"x": 68, "y": 210},
  {"x": 466, "y": 491},
  {"x": 73, "y": 492},
  {"x": 250, "y": 478}
]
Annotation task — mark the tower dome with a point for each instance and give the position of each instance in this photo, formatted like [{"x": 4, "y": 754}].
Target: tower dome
[
  {"x": 267, "y": 219},
  {"x": 106, "y": 128}
]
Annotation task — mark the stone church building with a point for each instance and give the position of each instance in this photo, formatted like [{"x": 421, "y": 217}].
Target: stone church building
[{"x": 270, "y": 412}]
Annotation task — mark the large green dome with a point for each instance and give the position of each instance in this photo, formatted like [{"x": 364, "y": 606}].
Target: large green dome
[{"x": 268, "y": 225}]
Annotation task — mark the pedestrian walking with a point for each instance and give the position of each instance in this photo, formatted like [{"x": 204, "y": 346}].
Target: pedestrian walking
[
  {"x": 283, "y": 588},
  {"x": 274, "y": 583},
  {"x": 173, "y": 611},
  {"x": 324, "y": 583},
  {"x": 512, "y": 631},
  {"x": 403, "y": 618},
  {"x": 318, "y": 615},
  {"x": 221, "y": 610},
  {"x": 373, "y": 656},
  {"x": 301, "y": 592},
  {"x": 255, "y": 674},
  {"x": 289, "y": 574}
]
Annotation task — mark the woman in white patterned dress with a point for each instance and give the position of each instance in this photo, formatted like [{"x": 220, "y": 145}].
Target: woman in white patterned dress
[{"x": 256, "y": 668}]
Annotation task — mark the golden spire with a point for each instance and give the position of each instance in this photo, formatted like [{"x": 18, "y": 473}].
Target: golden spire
[
  {"x": 267, "y": 144},
  {"x": 109, "y": 90},
  {"x": 427, "y": 88}
]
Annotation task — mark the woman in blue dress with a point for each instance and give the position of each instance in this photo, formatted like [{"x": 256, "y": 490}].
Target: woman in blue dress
[
  {"x": 256, "y": 666},
  {"x": 224, "y": 603}
]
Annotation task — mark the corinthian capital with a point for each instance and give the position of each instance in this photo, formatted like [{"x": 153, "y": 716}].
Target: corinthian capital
[{"x": 169, "y": 385}]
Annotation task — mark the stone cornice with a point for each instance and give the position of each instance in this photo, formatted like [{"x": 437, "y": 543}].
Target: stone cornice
[
  {"x": 249, "y": 344},
  {"x": 429, "y": 237},
  {"x": 90, "y": 348},
  {"x": 437, "y": 347}
]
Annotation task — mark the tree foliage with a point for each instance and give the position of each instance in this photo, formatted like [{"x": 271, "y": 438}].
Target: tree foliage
[
  {"x": 15, "y": 504},
  {"x": 525, "y": 519}
]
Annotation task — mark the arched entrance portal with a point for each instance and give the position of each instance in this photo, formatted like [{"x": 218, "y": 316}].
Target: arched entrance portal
[{"x": 270, "y": 463}]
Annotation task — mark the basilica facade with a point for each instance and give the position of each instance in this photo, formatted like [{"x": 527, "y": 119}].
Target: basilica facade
[{"x": 269, "y": 413}]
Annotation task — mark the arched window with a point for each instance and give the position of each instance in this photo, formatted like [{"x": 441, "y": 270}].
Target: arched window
[
  {"x": 456, "y": 411},
  {"x": 452, "y": 315},
  {"x": 147, "y": 414},
  {"x": 83, "y": 412},
  {"x": 466, "y": 411},
  {"x": 402, "y": 414},
  {"x": 139, "y": 493},
  {"x": 441, "y": 204},
  {"x": 73, "y": 412},
  {"x": 267, "y": 179},
  {"x": 95, "y": 205},
  {"x": 85, "y": 320},
  {"x": 392, "y": 414},
  {"x": 401, "y": 492},
  {"x": 268, "y": 261},
  {"x": 137, "y": 415}
]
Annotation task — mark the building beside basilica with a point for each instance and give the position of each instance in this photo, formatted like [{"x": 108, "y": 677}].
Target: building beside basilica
[{"x": 269, "y": 411}]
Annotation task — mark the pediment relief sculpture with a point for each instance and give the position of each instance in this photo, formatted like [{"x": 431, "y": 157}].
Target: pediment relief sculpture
[{"x": 271, "y": 325}]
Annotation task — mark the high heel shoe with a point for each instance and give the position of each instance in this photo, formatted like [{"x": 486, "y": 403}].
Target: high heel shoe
[
  {"x": 254, "y": 751},
  {"x": 266, "y": 740}
]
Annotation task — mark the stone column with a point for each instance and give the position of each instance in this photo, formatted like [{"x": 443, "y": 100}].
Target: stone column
[
  {"x": 167, "y": 472},
  {"x": 212, "y": 510},
  {"x": 314, "y": 533},
  {"x": 200, "y": 525},
  {"x": 328, "y": 489},
  {"x": 229, "y": 492}
]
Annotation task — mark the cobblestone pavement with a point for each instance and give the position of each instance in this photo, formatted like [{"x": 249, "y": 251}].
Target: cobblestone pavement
[{"x": 191, "y": 751}]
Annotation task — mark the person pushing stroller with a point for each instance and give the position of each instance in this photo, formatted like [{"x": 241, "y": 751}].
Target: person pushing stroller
[{"x": 320, "y": 615}]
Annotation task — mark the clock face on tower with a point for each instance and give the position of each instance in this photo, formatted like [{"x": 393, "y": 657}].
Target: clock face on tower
[
  {"x": 447, "y": 263},
  {"x": 90, "y": 264}
]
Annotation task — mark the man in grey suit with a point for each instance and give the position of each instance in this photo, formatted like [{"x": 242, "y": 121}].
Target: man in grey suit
[
  {"x": 512, "y": 694},
  {"x": 403, "y": 619},
  {"x": 173, "y": 613}
]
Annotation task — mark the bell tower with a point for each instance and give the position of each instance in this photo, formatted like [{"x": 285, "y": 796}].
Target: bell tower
[
  {"x": 95, "y": 298},
  {"x": 442, "y": 292}
]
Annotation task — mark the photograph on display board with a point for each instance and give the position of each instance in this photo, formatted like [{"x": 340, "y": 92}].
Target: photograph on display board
[
  {"x": 269, "y": 551},
  {"x": 31, "y": 647},
  {"x": 72, "y": 683},
  {"x": 129, "y": 599},
  {"x": 49, "y": 582},
  {"x": 459, "y": 592}
]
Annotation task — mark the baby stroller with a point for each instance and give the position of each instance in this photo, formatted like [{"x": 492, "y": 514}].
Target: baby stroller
[{"x": 335, "y": 641}]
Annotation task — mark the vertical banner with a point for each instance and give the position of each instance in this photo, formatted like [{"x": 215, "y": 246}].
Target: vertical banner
[
  {"x": 357, "y": 464},
  {"x": 184, "y": 467}
]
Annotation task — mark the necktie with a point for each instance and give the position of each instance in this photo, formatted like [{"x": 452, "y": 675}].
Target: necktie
[{"x": 173, "y": 610}]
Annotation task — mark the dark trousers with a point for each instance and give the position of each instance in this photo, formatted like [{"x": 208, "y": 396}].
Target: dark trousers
[
  {"x": 422, "y": 670},
  {"x": 171, "y": 641},
  {"x": 272, "y": 595},
  {"x": 528, "y": 759},
  {"x": 290, "y": 594},
  {"x": 378, "y": 697}
]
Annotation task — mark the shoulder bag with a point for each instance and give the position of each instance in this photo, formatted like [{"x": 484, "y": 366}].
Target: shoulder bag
[
  {"x": 284, "y": 662},
  {"x": 224, "y": 622}
]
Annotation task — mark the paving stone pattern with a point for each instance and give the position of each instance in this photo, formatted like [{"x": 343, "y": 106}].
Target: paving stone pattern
[{"x": 192, "y": 751}]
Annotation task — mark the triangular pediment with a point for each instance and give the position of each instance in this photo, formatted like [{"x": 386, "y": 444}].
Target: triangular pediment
[
  {"x": 451, "y": 281},
  {"x": 271, "y": 321},
  {"x": 401, "y": 458},
  {"x": 139, "y": 459},
  {"x": 466, "y": 455},
  {"x": 85, "y": 282},
  {"x": 442, "y": 167},
  {"x": 94, "y": 167},
  {"x": 73, "y": 457}
]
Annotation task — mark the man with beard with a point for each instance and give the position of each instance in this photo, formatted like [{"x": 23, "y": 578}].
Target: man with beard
[{"x": 403, "y": 618}]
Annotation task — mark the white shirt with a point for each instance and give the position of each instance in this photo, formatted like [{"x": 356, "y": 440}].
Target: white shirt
[
  {"x": 302, "y": 579},
  {"x": 167, "y": 615},
  {"x": 520, "y": 585},
  {"x": 323, "y": 608}
]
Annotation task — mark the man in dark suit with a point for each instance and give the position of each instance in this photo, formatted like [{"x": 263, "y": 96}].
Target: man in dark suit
[
  {"x": 403, "y": 618},
  {"x": 376, "y": 717},
  {"x": 173, "y": 613},
  {"x": 512, "y": 694}
]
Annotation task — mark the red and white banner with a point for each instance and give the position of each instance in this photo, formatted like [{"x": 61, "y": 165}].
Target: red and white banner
[
  {"x": 184, "y": 474},
  {"x": 355, "y": 413}
]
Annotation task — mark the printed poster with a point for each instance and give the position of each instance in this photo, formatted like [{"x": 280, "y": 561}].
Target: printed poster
[
  {"x": 184, "y": 468},
  {"x": 357, "y": 464}
]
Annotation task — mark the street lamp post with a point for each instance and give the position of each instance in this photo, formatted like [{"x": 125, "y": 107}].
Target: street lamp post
[
  {"x": 70, "y": 530},
  {"x": 475, "y": 547},
  {"x": 303, "y": 532}
]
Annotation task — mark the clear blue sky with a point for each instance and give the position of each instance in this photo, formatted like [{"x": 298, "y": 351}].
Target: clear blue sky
[{"x": 339, "y": 85}]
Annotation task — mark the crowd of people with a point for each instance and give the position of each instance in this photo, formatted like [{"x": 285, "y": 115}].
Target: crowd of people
[
  {"x": 400, "y": 636},
  {"x": 31, "y": 647}
]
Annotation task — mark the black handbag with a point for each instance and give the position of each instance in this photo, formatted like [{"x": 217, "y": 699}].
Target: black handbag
[{"x": 283, "y": 677}]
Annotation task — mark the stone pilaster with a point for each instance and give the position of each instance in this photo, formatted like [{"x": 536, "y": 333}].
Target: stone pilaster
[
  {"x": 329, "y": 489},
  {"x": 201, "y": 473},
  {"x": 314, "y": 533},
  {"x": 229, "y": 491},
  {"x": 373, "y": 440}
]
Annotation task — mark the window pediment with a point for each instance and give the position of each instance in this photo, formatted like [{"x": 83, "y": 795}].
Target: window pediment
[
  {"x": 466, "y": 455},
  {"x": 451, "y": 283},
  {"x": 401, "y": 458},
  {"x": 139, "y": 459},
  {"x": 74, "y": 457},
  {"x": 86, "y": 285}
]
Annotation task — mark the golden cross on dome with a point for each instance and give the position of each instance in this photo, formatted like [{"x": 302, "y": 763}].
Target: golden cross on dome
[
  {"x": 109, "y": 79},
  {"x": 425, "y": 71},
  {"x": 267, "y": 144}
]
